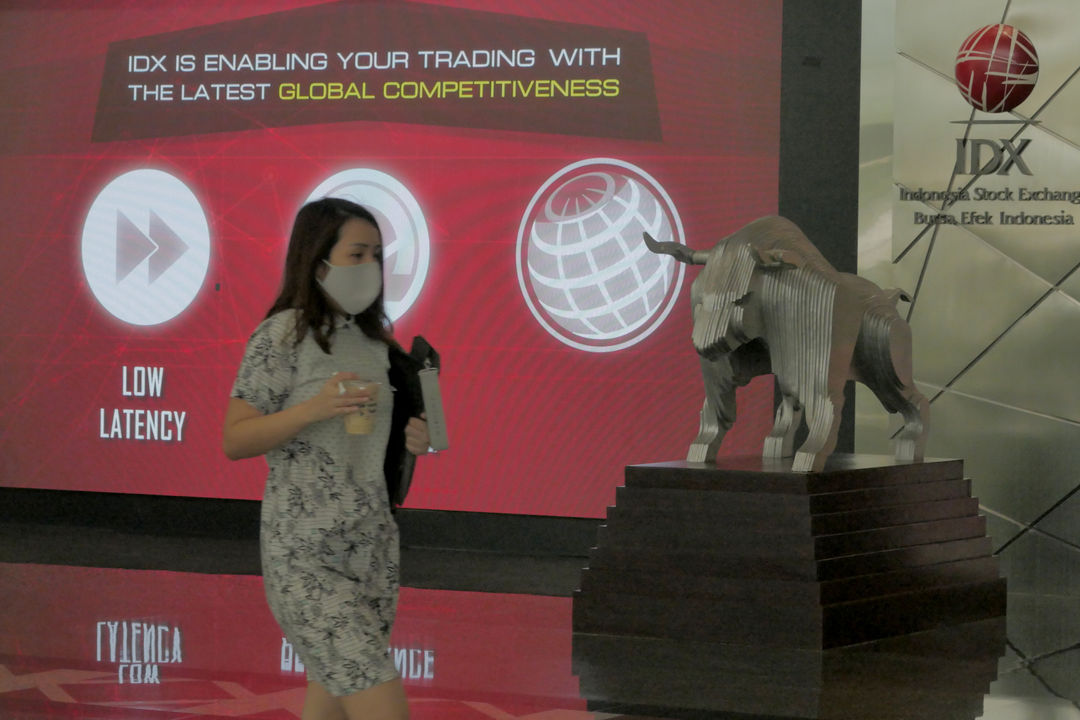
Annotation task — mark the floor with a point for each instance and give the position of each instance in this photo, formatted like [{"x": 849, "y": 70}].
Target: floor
[{"x": 106, "y": 625}]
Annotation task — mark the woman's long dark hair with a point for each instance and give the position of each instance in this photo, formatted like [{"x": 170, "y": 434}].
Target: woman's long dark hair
[{"x": 314, "y": 234}]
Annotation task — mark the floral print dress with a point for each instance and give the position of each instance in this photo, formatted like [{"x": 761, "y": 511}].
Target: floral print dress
[{"x": 329, "y": 543}]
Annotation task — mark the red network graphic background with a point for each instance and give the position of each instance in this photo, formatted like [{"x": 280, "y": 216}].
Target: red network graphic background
[{"x": 536, "y": 427}]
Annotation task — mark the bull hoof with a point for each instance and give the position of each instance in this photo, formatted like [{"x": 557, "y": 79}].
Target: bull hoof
[
  {"x": 908, "y": 450},
  {"x": 807, "y": 462},
  {"x": 774, "y": 448},
  {"x": 698, "y": 453}
]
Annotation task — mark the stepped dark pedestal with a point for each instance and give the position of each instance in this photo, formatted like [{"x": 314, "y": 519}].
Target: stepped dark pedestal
[
  {"x": 943, "y": 674},
  {"x": 748, "y": 552}
]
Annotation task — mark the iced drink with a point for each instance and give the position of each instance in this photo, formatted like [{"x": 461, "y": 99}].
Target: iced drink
[{"x": 362, "y": 421}]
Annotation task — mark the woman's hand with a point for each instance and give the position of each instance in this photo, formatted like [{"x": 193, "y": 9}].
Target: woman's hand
[
  {"x": 417, "y": 440},
  {"x": 249, "y": 433},
  {"x": 335, "y": 399}
]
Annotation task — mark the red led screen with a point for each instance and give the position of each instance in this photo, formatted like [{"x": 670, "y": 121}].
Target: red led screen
[{"x": 153, "y": 157}]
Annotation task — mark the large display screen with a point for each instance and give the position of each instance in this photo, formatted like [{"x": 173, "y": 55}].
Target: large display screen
[{"x": 153, "y": 157}]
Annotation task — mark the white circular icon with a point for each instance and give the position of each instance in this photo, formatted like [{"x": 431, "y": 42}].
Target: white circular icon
[
  {"x": 406, "y": 244},
  {"x": 582, "y": 264},
  {"x": 145, "y": 247}
]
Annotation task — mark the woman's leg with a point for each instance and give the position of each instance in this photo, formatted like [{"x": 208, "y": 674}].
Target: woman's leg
[
  {"x": 321, "y": 705},
  {"x": 382, "y": 702}
]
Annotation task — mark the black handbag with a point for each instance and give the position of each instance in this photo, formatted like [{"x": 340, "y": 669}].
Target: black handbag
[{"x": 408, "y": 402}]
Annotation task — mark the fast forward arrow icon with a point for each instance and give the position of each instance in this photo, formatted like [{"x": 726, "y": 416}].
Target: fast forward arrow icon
[{"x": 162, "y": 245}]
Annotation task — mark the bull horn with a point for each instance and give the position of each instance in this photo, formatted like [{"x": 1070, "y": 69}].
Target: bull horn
[{"x": 677, "y": 250}]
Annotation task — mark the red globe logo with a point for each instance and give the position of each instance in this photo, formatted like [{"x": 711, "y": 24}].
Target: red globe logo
[{"x": 996, "y": 68}]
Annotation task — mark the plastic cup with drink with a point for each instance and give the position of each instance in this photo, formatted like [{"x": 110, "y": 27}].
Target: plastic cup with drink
[{"x": 361, "y": 422}]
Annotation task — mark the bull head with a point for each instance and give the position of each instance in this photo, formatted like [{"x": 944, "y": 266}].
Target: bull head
[{"x": 720, "y": 296}]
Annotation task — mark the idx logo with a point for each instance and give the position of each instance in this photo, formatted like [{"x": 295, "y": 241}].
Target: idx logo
[{"x": 1000, "y": 156}]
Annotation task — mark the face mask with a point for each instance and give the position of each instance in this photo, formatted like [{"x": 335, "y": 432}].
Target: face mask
[{"x": 353, "y": 287}]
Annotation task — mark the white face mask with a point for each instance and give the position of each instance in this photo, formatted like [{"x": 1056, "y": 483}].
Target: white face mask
[{"x": 353, "y": 287}]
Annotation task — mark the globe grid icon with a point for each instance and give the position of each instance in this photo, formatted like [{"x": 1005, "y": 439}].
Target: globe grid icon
[
  {"x": 583, "y": 266},
  {"x": 996, "y": 68}
]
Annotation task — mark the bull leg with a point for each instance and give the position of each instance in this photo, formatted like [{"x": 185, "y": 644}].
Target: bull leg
[
  {"x": 711, "y": 432},
  {"x": 823, "y": 423},
  {"x": 781, "y": 440},
  {"x": 718, "y": 411},
  {"x": 913, "y": 405},
  {"x": 824, "y": 407},
  {"x": 911, "y": 441},
  {"x": 895, "y": 386}
]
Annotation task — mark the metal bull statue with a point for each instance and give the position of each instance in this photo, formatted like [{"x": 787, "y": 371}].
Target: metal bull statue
[{"x": 768, "y": 301}]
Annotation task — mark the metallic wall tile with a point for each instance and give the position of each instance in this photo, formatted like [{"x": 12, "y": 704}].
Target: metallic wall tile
[
  {"x": 964, "y": 287},
  {"x": 980, "y": 280},
  {"x": 1064, "y": 521},
  {"x": 1060, "y": 671},
  {"x": 906, "y": 269},
  {"x": 933, "y": 31},
  {"x": 1001, "y": 530},
  {"x": 1053, "y": 33},
  {"x": 1044, "y": 580},
  {"x": 1020, "y": 464},
  {"x": 926, "y": 107},
  {"x": 877, "y": 48},
  {"x": 1071, "y": 285},
  {"x": 1060, "y": 117},
  {"x": 994, "y": 199},
  {"x": 1034, "y": 365},
  {"x": 1019, "y": 694},
  {"x": 875, "y": 203},
  {"x": 872, "y": 424},
  {"x": 1009, "y": 661},
  {"x": 1036, "y": 565},
  {"x": 924, "y": 146}
]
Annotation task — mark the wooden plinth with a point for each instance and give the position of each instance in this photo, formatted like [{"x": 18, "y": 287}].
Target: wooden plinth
[
  {"x": 748, "y": 552},
  {"x": 942, "y": 674}
]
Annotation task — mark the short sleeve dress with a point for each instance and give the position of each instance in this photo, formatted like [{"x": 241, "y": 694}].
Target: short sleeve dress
[{"x": 329, "y": 542}]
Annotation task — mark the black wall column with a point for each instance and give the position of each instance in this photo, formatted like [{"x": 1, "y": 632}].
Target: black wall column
[{"x": 819, "y": 138}]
